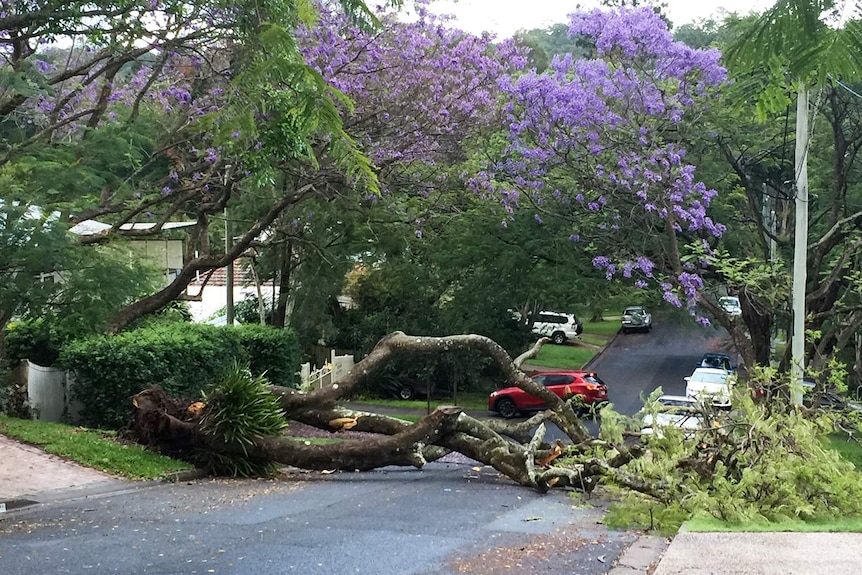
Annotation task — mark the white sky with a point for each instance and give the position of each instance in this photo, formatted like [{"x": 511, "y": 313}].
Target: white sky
[{"x": 504, "y": 17}]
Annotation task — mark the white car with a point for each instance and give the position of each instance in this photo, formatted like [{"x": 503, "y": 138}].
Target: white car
[
  {"x": 730, "y": 304},
  {"x": 710, "y": 383},
  {"x": 676, "y": 411},
  {"x": 559, "y": 326},
  {"x": 636, "y": 317}
]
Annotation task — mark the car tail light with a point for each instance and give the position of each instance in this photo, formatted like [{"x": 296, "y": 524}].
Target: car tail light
[{"x": 594, "y": 387}]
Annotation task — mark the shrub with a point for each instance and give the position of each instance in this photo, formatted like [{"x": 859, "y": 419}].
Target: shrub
[
  {"x": 34, "y": 340},
  {"x": 272, "y": 351},
  {"x": 238, "y": 409},
  {"x": 182, "y": 358}
]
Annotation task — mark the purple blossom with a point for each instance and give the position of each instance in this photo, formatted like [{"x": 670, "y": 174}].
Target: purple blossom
[
  {"x": 601, "y": 262},
  {"x": 212, "y": 155},
  {"x": 166, "y": 190}
]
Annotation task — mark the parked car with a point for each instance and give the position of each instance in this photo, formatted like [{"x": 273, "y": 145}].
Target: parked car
[
  {"x": 636, "y": 317},
  {"x": 730, "y": 304},
  {"x": 826, "y": 399},
  {"x": 559, "y": 326},
  {"x": 408, "y": 390},
  {"x": 509, "y": 401},
  {"x": 710, "y": 383},
  {"x": 717, "y": 360},
  {"x": 677, "y": 411}
]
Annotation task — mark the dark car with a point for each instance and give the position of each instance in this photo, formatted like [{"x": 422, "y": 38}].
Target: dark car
[
  {"x": 717, "y": 360},
  {"x": 509, "y": 401}
]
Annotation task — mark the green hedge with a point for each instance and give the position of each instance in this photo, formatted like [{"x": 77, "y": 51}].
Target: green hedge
[{"x": 183, "y": 358}]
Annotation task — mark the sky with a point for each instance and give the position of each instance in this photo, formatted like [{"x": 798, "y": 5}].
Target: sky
[{"x": 504, "y": 17}]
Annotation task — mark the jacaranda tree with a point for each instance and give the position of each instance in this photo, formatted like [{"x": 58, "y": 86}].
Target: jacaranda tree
[{"x": 597, "y": 142}]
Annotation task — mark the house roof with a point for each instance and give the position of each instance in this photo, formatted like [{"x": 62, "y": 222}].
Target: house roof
[{"x": 93, "y": 227}]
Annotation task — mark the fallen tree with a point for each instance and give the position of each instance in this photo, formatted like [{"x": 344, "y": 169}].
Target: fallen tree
[
  {"x": 515, "y": 449},
  {"x": 763, "y": 461}
]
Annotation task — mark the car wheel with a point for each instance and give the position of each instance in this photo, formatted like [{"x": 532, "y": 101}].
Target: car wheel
[
  {"x": 506, "y": 407},
  {"x": 406, "y": 393},
  {"x": 625, "y": 331},
  {"x": 558, "y": 338}
]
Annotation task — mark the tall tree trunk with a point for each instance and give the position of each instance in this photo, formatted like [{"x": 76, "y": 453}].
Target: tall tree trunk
[{"x": 279, "y": 318}]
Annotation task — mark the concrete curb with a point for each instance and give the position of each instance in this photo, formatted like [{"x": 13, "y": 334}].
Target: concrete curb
[{"x": 641, "y": 557}]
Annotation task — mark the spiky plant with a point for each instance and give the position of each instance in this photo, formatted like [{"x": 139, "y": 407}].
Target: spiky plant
[{"x": 239, "y": 409}]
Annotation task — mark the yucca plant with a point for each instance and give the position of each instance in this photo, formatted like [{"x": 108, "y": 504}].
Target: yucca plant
[{"x": 239, "y": 409}]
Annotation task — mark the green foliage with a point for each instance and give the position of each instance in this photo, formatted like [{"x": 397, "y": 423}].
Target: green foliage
[
  {"x": 99, "y": 281},
  {"x": 758, "y": 463},
  {"x": 272, "y": 351},
  {"x": 183, "y": 358},
  {"x": 239, "y": 409},
  {"x": 713, "y": 525},
  {"x": 35, "y": 340},
  {"x": 30, "y": 244}
]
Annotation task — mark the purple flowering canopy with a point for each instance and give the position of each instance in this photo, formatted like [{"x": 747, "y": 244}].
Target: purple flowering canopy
[
  {"x": 418, "y": 88},
  {"x": 595, "y": 142}
]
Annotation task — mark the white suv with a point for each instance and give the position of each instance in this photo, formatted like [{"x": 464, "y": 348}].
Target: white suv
[{"x": 558, "y": 326}]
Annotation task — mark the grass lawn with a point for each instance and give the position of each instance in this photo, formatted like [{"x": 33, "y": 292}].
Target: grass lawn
[
  {"x": 606, "y": 328},
  {"x": 710, "y": 525},
  {"x": 600, "y": 341},
  {"x": 470, "y": 401},
  {"x": 562, "y": 357},
  {"x": 97, "y": 449},
  {"x": 848, "y": 449}
]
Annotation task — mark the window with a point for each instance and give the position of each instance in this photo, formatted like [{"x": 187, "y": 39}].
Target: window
[{"x": 558, "y": 380}]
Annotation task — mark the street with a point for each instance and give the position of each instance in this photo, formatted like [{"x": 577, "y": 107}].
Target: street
[
  {"x": 444, "y": 519},
  {"x": 635, "y": 364}
]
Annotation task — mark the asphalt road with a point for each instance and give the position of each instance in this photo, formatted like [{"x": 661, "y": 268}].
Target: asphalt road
[
  {"x": 635, "y": 364},
  {"x": 446, "y": 519}
]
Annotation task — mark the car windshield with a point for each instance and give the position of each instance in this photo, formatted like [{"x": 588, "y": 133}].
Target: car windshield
[
  {"x": 703, "y": 377},
  {"x": 718, "y": 361},
  {"x": 667, "y": 402}
]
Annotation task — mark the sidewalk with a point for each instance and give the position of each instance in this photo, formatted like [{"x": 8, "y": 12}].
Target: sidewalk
[{"x": 28, "y": 475}]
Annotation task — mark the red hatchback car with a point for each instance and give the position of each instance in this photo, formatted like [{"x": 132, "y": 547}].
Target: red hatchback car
[{"x": 510, "y": 400}]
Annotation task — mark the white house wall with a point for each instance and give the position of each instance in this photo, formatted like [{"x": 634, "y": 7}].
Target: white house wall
[{"x": 214, "y": 298}]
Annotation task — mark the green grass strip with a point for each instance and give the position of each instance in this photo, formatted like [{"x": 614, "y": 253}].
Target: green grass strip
[
  {"x": 838, "y": 525},
  {"x": 97, "y": 449},
  {"x": 562, "y": 357}
]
